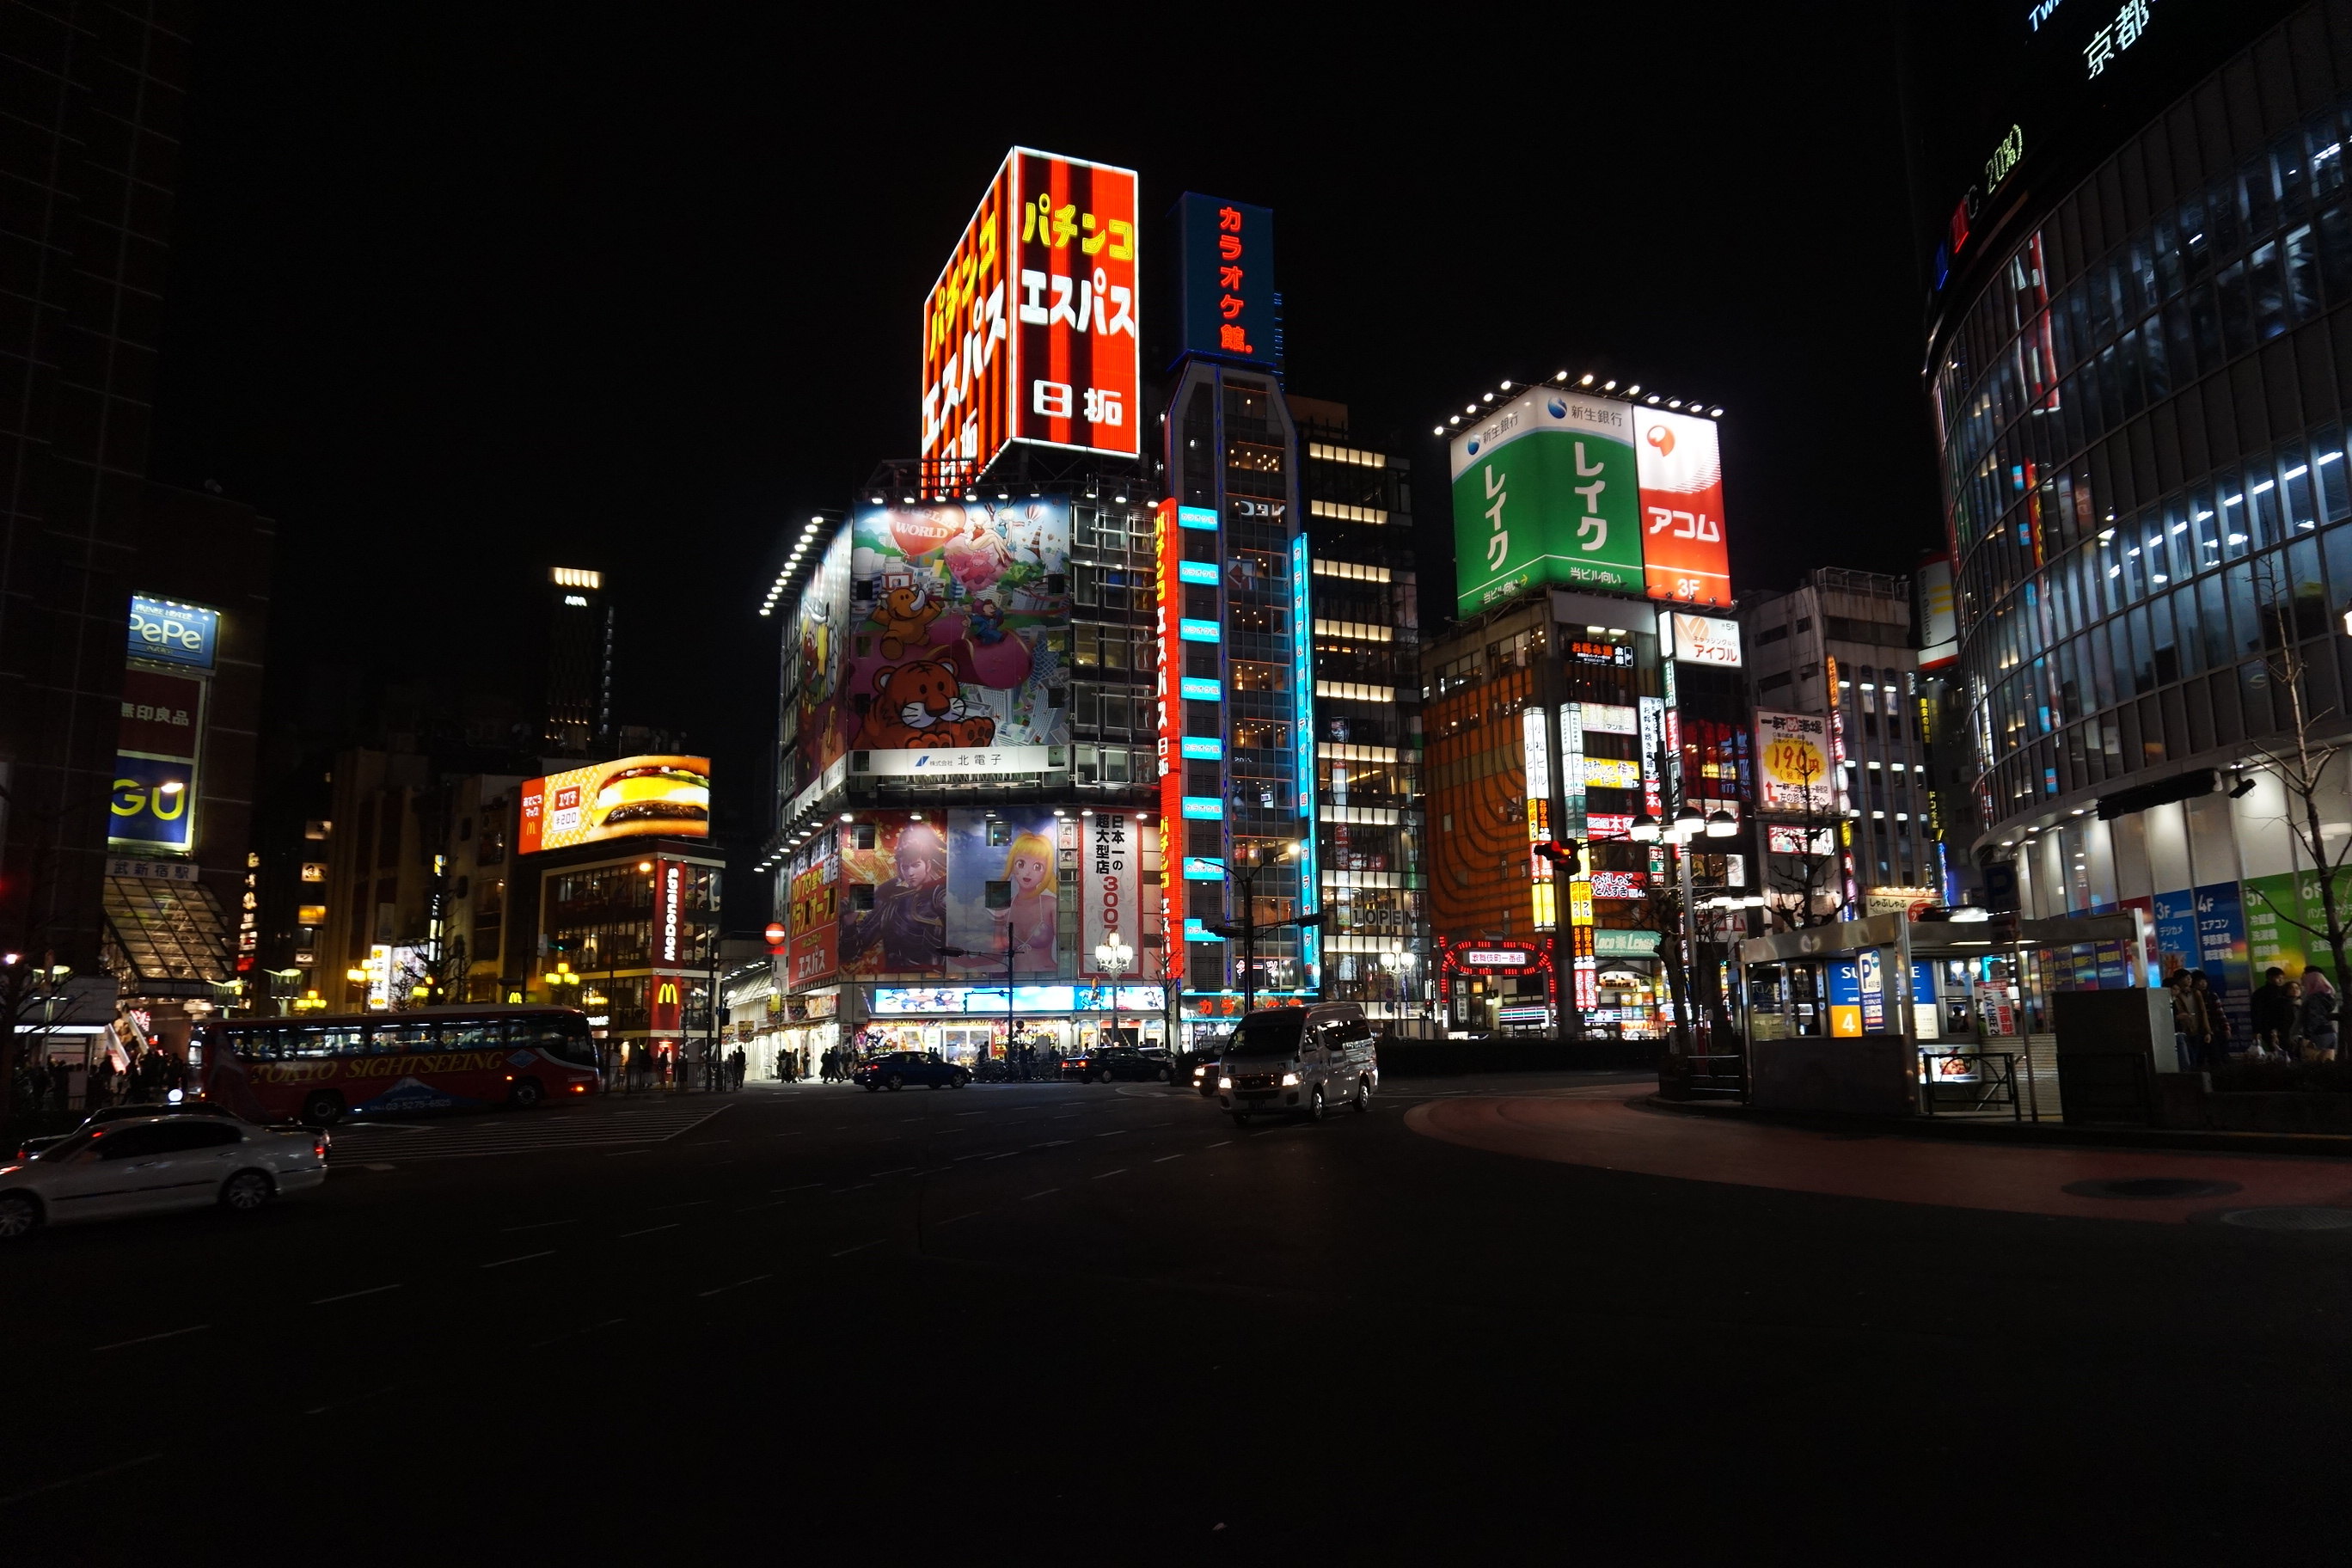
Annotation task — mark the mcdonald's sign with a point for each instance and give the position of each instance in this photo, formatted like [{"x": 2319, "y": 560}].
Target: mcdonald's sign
[{"x": 666, "y": 1014}]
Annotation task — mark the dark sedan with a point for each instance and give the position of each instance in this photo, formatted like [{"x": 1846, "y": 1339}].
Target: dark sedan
[
  {"x": 1114, "y": 1062},
  {"x": 899, "y": 1069}
]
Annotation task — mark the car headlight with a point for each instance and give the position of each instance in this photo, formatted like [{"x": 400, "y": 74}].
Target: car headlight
[
  {"x": 1290, "y": 1080},
  {"x": 1224, "y": 1083}
]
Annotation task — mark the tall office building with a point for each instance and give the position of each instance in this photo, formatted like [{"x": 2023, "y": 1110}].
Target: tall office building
[
  {"x": 1365, "y": 599},
  {"x": 1852, "y": 628},
  {"x": 2140, "y": 360},
  {"x": 91, "y": 163},
  {"x": 577, "y": 707}
]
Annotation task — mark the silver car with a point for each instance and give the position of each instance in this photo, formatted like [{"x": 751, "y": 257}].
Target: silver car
[
  {"x": 1299, "y": 1061},
  {"x": 152, "y": 1163}
]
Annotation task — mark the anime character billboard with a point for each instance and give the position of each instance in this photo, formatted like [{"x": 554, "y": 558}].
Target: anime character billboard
[
  {"x": 894, "y": 876},
  {"x": 825, "y": 654},
  {"x": 1020, "y": 848},
  {"x": 959, "y": 616}
]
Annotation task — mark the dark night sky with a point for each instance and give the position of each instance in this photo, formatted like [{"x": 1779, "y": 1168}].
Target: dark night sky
[{"x": 460, "y": 294}]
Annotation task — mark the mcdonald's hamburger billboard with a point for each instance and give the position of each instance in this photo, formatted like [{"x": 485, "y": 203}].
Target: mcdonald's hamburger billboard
[{"x": 626, "y": 798}]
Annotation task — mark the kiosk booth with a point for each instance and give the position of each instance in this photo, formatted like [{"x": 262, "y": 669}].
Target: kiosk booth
[{"x": 1897, "y": 1017}]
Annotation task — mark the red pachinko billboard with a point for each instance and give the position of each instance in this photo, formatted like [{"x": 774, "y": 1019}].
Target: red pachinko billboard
[
  {"x": 1680, "y": 464},
  {"x": 1032, "y": 332}
]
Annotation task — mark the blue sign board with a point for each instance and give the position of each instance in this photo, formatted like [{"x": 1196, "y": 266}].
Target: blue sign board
[
  {"x": 1196, "y": 932},
  {"x": 1200, "y": 868},
  {"x": 1226, "y": 299},
  {"x": 1203, "y": 571},
  {"x": 1200, "y": 689},
  {"x": 1203, "y": 748},
  {"x": 1207, "y": 807},
  {"x": 172, "y": 633},
  {"x": 1197, "y": 517},
  {"x": 1191, "y": 630},
  {"x": 153, "y": 805},
  {"x": 2221, "y": 952}
]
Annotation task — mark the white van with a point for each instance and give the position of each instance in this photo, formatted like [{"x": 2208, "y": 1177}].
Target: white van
[{"x": 1299, "y": 1062}]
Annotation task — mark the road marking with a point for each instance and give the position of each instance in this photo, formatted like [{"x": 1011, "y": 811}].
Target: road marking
[
  {"x": 1006, "y": 1155},
  {"x": 378, "y": 1166},
  {"x": 1165, "y": 1158},
  {"x": 802, "y": 1188},
  {"x": 859, "y": 1248},
  {"x": 749, "y": 1208},
  {"x": 971, "y": 1114},
  {"x": 665, "y": 1208},
  {"x": 1107, "y": 1175},
  {"x": 98, "y": 1474},
  {"x": 1049, "y": 1192},
  {"x": 961, "y": 1217},
  {"x": 859, "y": 1187},
  {"x": 648, "y": 1231},
  {"x": 1050, "y": 1143},
  {"x": 739, "y": 1284},
  {"x": 151, "y": 1339},
  {"x": 624, "y": 1154},
  {"x": 354, "y": 1295},
  {"x": 975, "y": 1155},
  {"x": 800, "y": 1134},
  {"x": 1112, "y": 1133},
  {"x": 895, "y": 1170},
  {"x": 1221, "y": 1143},
  {"x": 526, "y": 1258},
  {"x": 544, "y": 1225}
]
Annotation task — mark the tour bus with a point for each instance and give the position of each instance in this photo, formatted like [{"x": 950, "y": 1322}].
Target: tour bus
[{"x": 324, "y": 1069}]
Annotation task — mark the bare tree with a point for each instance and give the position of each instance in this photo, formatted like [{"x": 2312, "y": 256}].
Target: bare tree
[{"x": 2301, "y": 760}]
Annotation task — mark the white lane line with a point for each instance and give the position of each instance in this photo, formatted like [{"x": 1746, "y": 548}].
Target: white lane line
[
  {"x": 1048, "y": 1193},
  {"x": 800, "y": 1134},
  {"x": 1052, "y": 1144},
  {"x": 624, "y": 1154},
  {"x": 1112, "y": 1133},
  {"x": 1006, "y": 1155},
  {"x": 151, "y": 1339},
  {"x": 975, "y": 1155},
  {"x": 98, "y": 1474},
  {"x": 895, "y": 1170},
  {"x": 1108, "y": 1174},
  {"x": 963, "y": 1113},
  {"x": 665, "y": 1208},
  {"x": 961, "y": 1217},
  {"x": 749, "y": 1208},
  {"x": 859, "y": 1248},
  {"x": 354, "y": 1295},
  {"x": 802, "y": 1188},
  {"x": 737, "y": 1285},
  {"x": 1221, "y": 1143},
  {"x": 1165, "y": 1158},
  {"x": 526, "y": 1258},
  {"x": 648, "y": 1231},
  {"x": 378, "y": 1165},
  {"x": 858, "y": 1187},
  {"x": 544, "y": 1225}
]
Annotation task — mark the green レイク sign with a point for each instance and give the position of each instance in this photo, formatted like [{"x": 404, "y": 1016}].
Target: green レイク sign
[{"x": 1546, "y": 490}]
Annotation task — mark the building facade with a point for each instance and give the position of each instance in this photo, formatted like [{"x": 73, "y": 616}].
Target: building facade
[
  {"x": 1366, "y": 607},
  {"x": 2139, "y": 376},
  {"x": 576, "y": 707},
  {"x": 1840, "y": 645}
]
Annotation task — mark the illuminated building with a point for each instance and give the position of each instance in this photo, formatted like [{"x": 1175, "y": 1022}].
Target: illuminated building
[
  {"x": 577, "y": 706},
  {"x": 1857, "y": 625},
  {"x": 1367, "y": 630},
  {"x": 2138, "y": 360}
]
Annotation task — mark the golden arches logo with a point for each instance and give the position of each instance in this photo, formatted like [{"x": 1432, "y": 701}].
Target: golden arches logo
[{"x": 667, "y": 995}]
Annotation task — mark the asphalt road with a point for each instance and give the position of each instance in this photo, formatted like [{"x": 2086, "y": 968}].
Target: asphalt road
[{"x": 1061, "y": 1319}]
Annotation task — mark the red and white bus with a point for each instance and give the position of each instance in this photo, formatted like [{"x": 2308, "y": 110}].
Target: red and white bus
[{"x": 322, "y": 1069}]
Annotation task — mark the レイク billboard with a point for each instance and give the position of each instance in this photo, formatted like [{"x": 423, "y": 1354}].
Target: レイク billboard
[
  {"x": 1681, "y": 464},
  {"x": 1031, "y": 332},
  {"x": 1546, "y": 490},
  {"x": 632, "y": 796}
]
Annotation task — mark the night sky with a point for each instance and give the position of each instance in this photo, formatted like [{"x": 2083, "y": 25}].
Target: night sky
[{"x": 457, "y": 295}]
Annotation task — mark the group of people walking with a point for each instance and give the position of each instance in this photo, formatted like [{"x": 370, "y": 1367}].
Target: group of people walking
[
  {"x": 145, "y": 1076},
  {"x": 2293, "y": 1020},
  {"x": 643, "y": 1068}
]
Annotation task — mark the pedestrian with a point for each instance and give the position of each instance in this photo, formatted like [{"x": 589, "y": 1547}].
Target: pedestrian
[
  {"x": 2188, "y": 1032},
  {"x": 2318, "y": 1016},
  {"x": 742, "y": 1067},
  {"x": 2273, "y": 1013},
  {"x": 2217, "y": 1022}
]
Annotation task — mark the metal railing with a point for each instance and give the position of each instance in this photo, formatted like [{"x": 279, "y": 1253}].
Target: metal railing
[{"x": 1988, "y": 1084}]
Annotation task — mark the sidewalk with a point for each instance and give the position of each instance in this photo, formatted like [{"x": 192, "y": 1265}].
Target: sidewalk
[{"x": 2030, "y": 1135}]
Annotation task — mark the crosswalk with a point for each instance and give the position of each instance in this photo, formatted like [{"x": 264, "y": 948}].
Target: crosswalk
[{"x": 514, "y": 1132}]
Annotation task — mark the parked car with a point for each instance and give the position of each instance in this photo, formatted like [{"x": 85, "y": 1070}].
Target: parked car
[
  {"x": 1301, "y": 1061},
  {"x": 152, "y": 1163},
  {"x": 899, "y": 1069},
  {"x": 1108, "y": 1063},
  {"x": 105, "y": 1114}
]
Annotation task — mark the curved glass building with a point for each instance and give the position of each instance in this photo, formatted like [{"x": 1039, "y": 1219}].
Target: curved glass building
[{"x": 2140, "y": 363}]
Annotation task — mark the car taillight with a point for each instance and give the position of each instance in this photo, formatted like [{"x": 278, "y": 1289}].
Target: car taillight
[{"x": 319, "y": 1147}]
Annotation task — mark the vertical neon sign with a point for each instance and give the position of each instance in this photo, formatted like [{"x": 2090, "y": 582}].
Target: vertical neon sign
[
  {"x": 1167, "y": 549},
  {"x": 1534, "y": 757},
  {"x": 1302, "y": 735}
]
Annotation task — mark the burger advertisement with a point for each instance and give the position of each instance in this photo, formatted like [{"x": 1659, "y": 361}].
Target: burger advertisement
[{"x": 626, "y": 798}]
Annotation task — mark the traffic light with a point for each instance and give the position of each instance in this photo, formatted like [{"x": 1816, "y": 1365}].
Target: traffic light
[{"x": 1568, "y": 857}]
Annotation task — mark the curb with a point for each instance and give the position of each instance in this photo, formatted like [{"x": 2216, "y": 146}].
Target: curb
[{"x": 2015, "y": 1133}]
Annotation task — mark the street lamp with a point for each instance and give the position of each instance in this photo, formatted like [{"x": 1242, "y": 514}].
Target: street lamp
[
  {"x": 1247, "y": 927},
  {"x": 1113, "y": 957}
]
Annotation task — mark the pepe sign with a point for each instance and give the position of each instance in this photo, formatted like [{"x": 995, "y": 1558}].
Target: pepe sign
[{"x": 172, "y": 633}]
